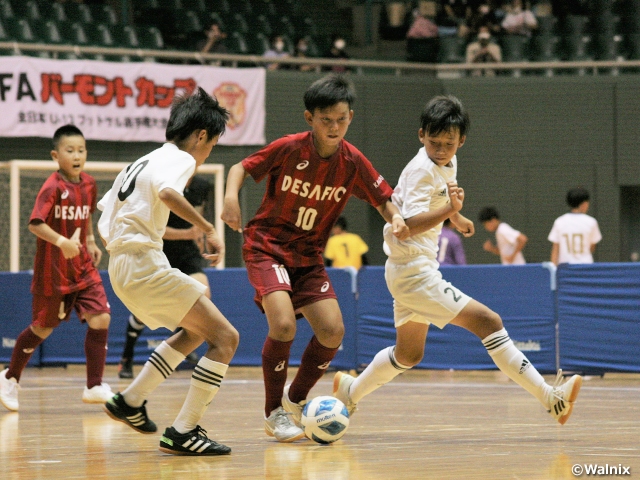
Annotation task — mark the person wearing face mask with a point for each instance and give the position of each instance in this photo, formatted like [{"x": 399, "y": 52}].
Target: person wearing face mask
[
  {"x": 338, "y": 45},
  {"x": 277, "y": 50},
  {"x": 302, "y": 51},
  {"x": 519, "y": 20},
  {"x": 483, "y": 50}
]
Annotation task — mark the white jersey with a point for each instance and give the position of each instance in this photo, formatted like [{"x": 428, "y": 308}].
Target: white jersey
[
  {"x": 133, "y": 214},
  {"x": 506, "y": 237},
  {"x": 575, "y": 233},
  {"x": 422, "y": 187}
]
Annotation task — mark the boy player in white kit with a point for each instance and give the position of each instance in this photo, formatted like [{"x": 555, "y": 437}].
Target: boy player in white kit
[
  {"x": 134, "y": 218},
  {"x": 427, "y": 193}
]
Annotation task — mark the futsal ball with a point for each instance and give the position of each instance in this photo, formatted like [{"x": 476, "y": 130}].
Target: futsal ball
[{"x": 325, "y": 419}]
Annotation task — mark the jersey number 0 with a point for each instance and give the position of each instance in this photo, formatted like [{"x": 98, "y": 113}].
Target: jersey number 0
[{"x": 130, "y": 180}]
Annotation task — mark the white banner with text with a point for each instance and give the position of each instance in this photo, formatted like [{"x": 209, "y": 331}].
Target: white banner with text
[{"x": 125, "y": 102}]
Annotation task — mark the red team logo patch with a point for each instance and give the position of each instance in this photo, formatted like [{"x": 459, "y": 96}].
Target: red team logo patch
[{"x": 232, "y": 97}]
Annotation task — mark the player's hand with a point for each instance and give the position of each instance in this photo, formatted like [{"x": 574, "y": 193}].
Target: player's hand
[
  {"x": 464, "y": 226},
  {"x": 94, "y": 252},
  {"x": 488, "y": 246},
  {"x": 456, "y": 196},
  {"x": 193, "y": 233},
  {"x": 215, "y": 247},
  {"x": 231, "y": 215},
  {"x": 400, "y": 229},
  {"x": 70, "y": 248}
]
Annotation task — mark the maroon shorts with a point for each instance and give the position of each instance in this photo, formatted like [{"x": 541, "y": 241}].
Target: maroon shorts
[
  {"x": 306, "y": 285},
  {"x": 49, "y": 311}
]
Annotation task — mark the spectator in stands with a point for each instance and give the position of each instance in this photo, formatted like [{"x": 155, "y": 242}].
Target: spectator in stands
[
  {"x": 453, "y": 16},
  {"x": 450, "y": 249},
  {"x": 277, "y": 50},
  {"x": 345, "y": 249},
  {"x": 575, "y": 234},
  {"x": 510, "y": 242},
  {"x": 338, "y": 44},
  {"x": 483, "y": 50},
  {"x": 301, "y": 51},
  {"x": 213, "y": 41},
  {"x": 424, "y": 25},
  {"x": 519, "y": 20},
  {"x": 484, "y": 15}
]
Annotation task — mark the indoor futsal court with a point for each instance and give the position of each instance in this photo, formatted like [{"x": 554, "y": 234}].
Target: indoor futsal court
[{"x": 424, "y": 425}]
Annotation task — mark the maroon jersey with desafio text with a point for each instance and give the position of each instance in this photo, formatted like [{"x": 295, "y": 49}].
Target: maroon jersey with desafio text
[
  {"x": 64, "y": 206},
  {"x": 304, "y": 196}
]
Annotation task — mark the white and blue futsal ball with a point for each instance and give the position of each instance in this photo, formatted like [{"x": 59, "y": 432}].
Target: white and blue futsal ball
[{"x": 325, "y": 419}]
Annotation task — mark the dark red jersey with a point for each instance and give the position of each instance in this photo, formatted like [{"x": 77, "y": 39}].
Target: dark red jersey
[
  {"x": 304, "y": 197},
  {"x": 64, "y": 206}
]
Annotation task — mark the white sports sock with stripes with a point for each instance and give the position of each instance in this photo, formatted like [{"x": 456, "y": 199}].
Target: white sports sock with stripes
[
  {"x": 515, "y": 365},
  {"x": 162, "y": 362},
  {"x": 383, "y": 368},
  {"x": 205, "y": 383}
]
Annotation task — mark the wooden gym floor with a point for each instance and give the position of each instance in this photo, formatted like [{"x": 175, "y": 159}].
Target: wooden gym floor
[{"x": 424, "y": 425}]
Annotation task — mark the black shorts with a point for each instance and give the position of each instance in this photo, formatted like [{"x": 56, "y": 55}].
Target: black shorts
[{"x": 185, "y": 256}]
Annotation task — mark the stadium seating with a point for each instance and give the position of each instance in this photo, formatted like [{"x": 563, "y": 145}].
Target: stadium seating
[
  {"x": 450, "y": 49},
  {"x": 514, "y": 48},
  {"x": 544, "y": 48},
  {"x": 426, "y": 50}
]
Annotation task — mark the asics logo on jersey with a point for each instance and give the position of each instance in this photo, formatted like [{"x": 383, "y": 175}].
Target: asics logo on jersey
[
  {"x": 302, "y": 165},
  {"x": 525, "y": 365},
  {"x": 378, "y": 182},
  {"x": 325, "y": 287},
  {"x": 317, "y": 192},
  {"x": 280, "y": 366},
  {"x": 65, "y": 194},
  {"x": 324, "y": 366},
  {"x": 71, "y": 212}
]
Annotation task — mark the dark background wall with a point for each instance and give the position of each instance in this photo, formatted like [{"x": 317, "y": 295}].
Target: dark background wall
[{"x": 531, "y": 139}]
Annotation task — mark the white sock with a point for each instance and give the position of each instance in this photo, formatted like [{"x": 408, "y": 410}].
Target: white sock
[
  {"x": 205, "y": 383},
  {"x": 513, "y": 363},
  {"x": 383, "y": 368},
  {"x": 162, "y": 362}
]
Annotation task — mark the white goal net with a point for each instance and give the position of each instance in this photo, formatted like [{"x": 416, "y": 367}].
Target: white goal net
[{"x": 20, "y": 182}]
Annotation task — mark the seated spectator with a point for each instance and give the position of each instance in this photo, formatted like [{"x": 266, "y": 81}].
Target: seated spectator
[
  {"x": 485, "y": 14},
  {"x": 519, "y": 21},
  {"x": 423, "y": 25},
  {"x": 213, "y": 41},
  {"x": 276, "y": 51},
  {"x": 301, "y": 49},
  {"x": 483, "y": 50},
  {"x": 453, "y": 16},
  {"x": 338, "y": 44}
]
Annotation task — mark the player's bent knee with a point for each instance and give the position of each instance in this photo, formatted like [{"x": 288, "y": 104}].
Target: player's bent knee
[{"x": 409, "y": 359}]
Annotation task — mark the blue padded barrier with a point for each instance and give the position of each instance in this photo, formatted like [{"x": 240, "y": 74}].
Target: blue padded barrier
[
  {"x": 520, "y": 294},
  {"x": 599, "y": 317},
  {"x": 15, "y": 305}
]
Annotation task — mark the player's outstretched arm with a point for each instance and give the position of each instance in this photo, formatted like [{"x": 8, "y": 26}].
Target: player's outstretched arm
[
  {"x": 70, "y": 246},
  {"x": 231, "y": 214},
  {"x": 392, "y": 215}
]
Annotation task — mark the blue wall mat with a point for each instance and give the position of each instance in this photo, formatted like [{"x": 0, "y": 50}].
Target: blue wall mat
[
  {"x": 521, "y": 295},
  {"x": 15, "y": 305},
  {"x": 599, "y": 317}
]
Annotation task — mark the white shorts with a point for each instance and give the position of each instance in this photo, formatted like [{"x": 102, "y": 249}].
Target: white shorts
[
  {"x": 158, "y": 295},
  {"x": 420, "y": 294}
]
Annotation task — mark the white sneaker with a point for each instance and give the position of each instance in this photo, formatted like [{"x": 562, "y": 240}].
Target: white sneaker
[
  {"x": 99, "y": 394},
  {"x": 341, "y": 384},
  {"x": 295, "y": 409},
  {"x": 9, "y": 391},
  {"x": 563, "y": 396},
  {"x": 280, "y": 426}
]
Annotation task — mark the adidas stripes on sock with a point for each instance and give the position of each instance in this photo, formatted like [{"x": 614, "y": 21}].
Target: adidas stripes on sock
[
  {"x": 205, "y": 383},
  {"x": 162, "y": 362},
  {"x": 515, "y": 365},
  {"x": 383, "y": 368}
]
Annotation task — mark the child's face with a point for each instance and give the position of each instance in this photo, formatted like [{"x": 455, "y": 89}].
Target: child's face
[
  {"x": 491, "y": 225},
  {"x": 441, "y": 147},
  {"x": 329, "y": 125},
  {"x": 71, "y": 156},
  {"x": 200, "y": 146}
]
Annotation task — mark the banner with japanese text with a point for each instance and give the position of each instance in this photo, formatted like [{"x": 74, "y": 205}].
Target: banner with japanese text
[{"x": 127, "y": 102}]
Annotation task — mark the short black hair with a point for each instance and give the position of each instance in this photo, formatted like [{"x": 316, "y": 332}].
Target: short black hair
[
  {"x": 577, "y": 196},
  {"x": 341, "y": 222},
  {"x": 196, "y": 111},
  {"x": 442, "y": 114},
  {"x": 487, "y": 214},
  {"x": 328, "y": 91},
  {"x": 65, "y": 131}
]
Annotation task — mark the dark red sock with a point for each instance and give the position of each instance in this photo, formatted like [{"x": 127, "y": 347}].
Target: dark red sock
[
  {"x": 26, "y": 343},
  {"x": 275, "y": 361},
  {"x": 315, "y": 361},
  {"x": 95, "y": 349}
]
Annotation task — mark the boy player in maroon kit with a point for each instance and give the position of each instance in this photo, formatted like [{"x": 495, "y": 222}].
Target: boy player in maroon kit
[
  {"x": 64, "y": 274},
  {"x": 310, "y": 176}
]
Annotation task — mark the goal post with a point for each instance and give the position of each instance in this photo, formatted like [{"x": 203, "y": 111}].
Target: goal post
[{"x": 16, "y": 168}]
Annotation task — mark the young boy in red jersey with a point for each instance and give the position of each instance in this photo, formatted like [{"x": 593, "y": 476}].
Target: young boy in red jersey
[
  {"x": 310, "y": 177},
  {"x": 65, "y": 277}
]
